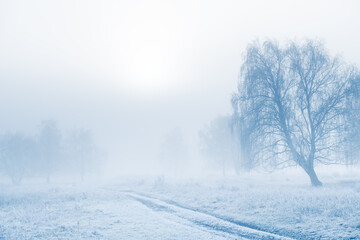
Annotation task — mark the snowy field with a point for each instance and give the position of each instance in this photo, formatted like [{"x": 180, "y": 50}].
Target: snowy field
[{"x": 281, "y": 205}]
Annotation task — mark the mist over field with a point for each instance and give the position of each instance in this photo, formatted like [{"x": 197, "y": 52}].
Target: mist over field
[{"x": 179, "y": 119}]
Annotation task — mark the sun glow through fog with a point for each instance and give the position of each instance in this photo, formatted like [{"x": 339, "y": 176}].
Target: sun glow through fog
[{"x": 148, "y": 42}]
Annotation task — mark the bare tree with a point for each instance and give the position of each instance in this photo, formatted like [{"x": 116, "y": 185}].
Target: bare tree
[
  {"x": 173, "y": 151},
  {"x": 293, "y": 98},
  {"x": 49, "y": 145},
  {"x": 217, "y": 142},
  {"x": 241, "y": 131},
  {"x": 82, "y": 149},
  {"x": 352, "y": 144},
  {"x": 17, "y": 155}
]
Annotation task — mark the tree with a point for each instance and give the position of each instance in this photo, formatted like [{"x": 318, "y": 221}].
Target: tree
[
  {"x": 217, "y": 141},
  {"x": 49, "y": 145},
  {"x": 81, "y": 149},
  {"x": 173, "y": 151},
  {"x": 352, "y": 144},
  {"x": 241, "y": 130},
  {"x": 294, "y": 99},
  {"x": 17, "y": 153}
]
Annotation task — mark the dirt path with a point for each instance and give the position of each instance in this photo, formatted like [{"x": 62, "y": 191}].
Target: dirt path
[
  {"x": 91, "y": 213},
  {"x": 200, "y": 220}
]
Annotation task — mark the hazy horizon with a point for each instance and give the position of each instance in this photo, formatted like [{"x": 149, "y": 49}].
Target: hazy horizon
[{"x": 132, "y": 71}]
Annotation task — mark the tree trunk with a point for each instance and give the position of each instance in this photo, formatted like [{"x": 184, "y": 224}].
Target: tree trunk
[
  {"x": 48, "y": 169},
  {"x": 48, "y": 178},
  {"x": 82, "y": 167},
  {"x": 82, "y": 175},
  {"x": 313, "y": 177},
  {"x": 223, "y": 168}
]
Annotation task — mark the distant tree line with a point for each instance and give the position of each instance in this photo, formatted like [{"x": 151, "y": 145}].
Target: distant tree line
[
  {"x": 295, "y": 105},
  {"x": 46, "y": 153}
]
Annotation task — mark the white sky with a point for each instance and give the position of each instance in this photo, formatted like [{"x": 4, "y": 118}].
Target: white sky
[{"x": 134, "y": 70}]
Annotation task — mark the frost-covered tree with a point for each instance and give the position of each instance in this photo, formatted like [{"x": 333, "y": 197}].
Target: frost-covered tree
[
  {"x": 352, "y": 144},
  {"x": 297, "y": 97},
  {"x": 49, "y": 140},
  {"x": 241, "y": 129},
  {"x": 81, "y": 150},
  {"x": 217, "y": 142},
  {"x": 17, "y": 155},
  {"x": 174, "y": 150}
]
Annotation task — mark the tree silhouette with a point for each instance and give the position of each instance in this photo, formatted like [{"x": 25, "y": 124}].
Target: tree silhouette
[{"x": 294, "y": 98}]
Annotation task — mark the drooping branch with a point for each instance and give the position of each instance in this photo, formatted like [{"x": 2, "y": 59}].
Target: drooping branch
[{"x": 296, "y": 96}]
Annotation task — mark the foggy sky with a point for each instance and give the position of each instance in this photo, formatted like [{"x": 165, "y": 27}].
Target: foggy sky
[{"x": 133, "y": 70}]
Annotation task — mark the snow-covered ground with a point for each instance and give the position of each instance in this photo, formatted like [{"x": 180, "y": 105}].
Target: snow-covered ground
[
  {"x": 252, "y": 205},
  {"x": 290, "y": 208},
  {"x": 66, "y": 212}
]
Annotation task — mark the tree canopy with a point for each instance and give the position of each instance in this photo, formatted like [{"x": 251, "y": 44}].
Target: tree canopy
[{"x": 291, "y": 101}]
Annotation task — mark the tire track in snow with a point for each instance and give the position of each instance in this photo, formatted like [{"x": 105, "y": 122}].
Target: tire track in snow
[{"x": 201, "y": 219}]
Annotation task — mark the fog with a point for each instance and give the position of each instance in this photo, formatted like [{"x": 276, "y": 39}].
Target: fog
[
  {"x": 193, "y": 119},
  {"x": 133, "y": 71}
]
